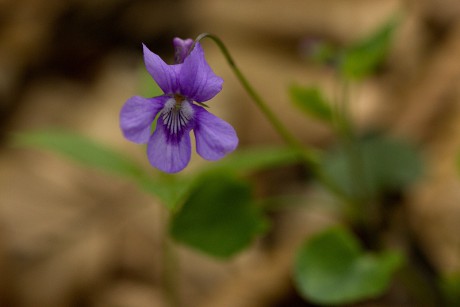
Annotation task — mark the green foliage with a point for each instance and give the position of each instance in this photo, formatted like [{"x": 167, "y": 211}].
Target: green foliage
[
  {"x": 311, "y": 101},
  {"x": 332, "y": 269},
  {"x": 92, "y": 154},
  {"x": 363, "y": 57},
  {"x": 450, "y": 286},
  {"x": 147, "y": 86},
  {"x": 80, "y": 149},
  {"x": 219, "y": 217},
  {"x": 170, "y": 189},
  {"x": 383, "y": 165},
  {"x": 253, "y": 159},
  {"x": 323, "y": 52}
]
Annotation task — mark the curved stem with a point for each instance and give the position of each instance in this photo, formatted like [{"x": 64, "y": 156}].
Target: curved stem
[
  {"x": 279, "y": 127},
  {"x": 308, "y": 155}
]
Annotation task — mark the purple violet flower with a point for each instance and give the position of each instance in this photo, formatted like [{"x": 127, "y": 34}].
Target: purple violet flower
[{"x": 189, "y": 80}]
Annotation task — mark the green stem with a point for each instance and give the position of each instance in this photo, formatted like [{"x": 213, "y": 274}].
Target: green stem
[
  {"x": 353, "y": 154},
  {"x": 269, "y": 114},
  {"x": 308, "y": 155}
]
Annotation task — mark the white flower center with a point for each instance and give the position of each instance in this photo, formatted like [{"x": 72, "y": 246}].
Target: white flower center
[{"x": 177, "y": 113}]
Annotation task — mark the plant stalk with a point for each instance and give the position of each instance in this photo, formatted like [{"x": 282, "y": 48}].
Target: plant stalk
[{"x": 309, "y": 156}]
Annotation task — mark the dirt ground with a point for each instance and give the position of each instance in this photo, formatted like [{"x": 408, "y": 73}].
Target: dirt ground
[{"x": 71, "y": 236}]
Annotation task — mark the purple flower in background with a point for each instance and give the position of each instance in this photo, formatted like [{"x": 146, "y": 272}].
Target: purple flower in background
[{"x": 189, "y": 80}]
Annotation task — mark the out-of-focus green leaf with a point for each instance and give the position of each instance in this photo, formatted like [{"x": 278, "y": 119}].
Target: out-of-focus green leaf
[
  {"x": 323, "y": 52},
  {"x": 218, "y": 217},
  {"x": 450, "y": 286},
  {"x": 332, "y": 269},
  {"x": 92, "y": 154},
  {"x": 241, "y": 161},
  {"x": 80, "y": 149},
  {"x": 383, "y": 165},
  {"x": 169, "y": 189},
  {"x": 311, "y": 101},
  {"x": 362, "y": 58},
  {"x": 253, "y": 159},
  {"x": 147, "y": 86}
]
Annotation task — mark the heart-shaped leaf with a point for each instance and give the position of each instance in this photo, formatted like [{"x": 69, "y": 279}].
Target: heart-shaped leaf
[
  {"x": 384, "y": 165},
  {"x": 331, "y": 268},
  {"x": 219, "y": 217}
]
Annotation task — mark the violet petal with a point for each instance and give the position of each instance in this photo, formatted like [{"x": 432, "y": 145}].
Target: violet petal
[
  {"x": 137, "y": 115},
  {"x": 164, "y": 75},
  {"x": 196, "y": 78},
  {"x": 214, "y": 137},
  {"x": 168, "y": 154}
]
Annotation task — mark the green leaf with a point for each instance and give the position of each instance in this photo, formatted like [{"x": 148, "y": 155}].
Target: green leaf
[
  {"x": 332, "y": 269},
  {"x": 80, "y": 149},
  {"x": 450, "y": 286},
  {"x": 311, "y": 101},
  {"x": 219, "y": 217},
  {"x": 323, "y": 52},
  {"x": 241, "y": 161},
  {"x": 385, "y": 165},
  {"x": 362, "y": 58},
  {"x": 170, "y": 189},
  {"x": 92, "y": 154},
  {"x": 253, "y": 159},
  {"x": 147, "y": 86}
]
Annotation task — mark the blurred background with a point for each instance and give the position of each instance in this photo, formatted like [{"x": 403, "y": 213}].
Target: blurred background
[{"x": 71, "y": 236}]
